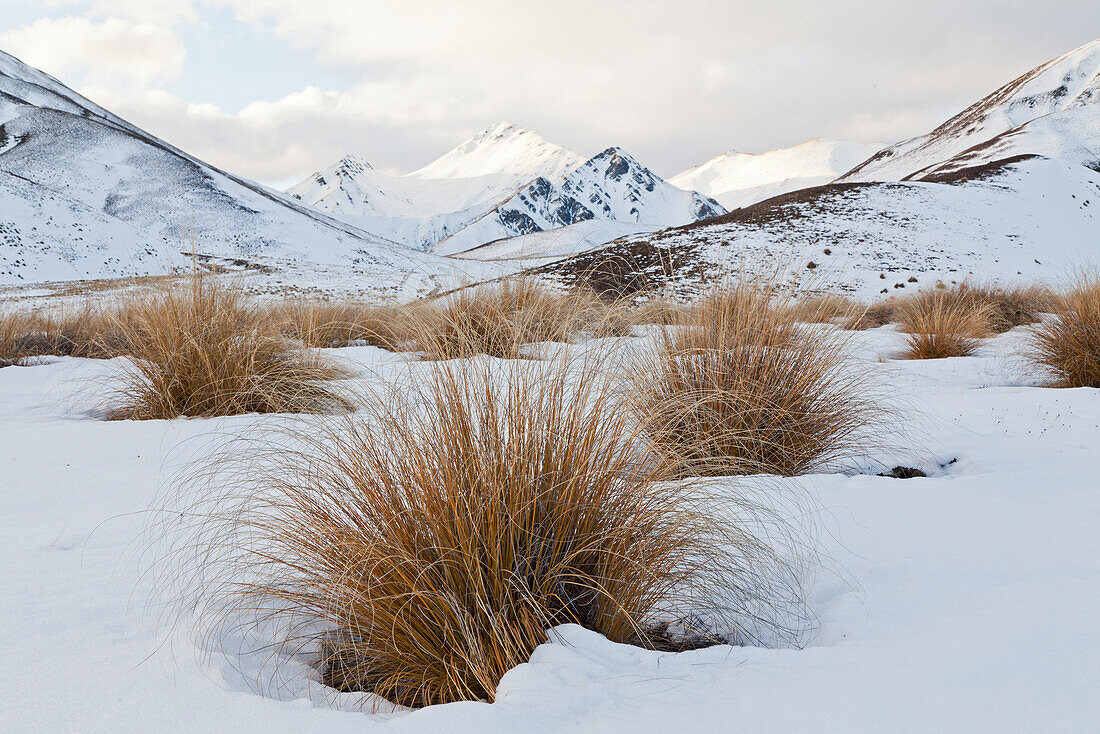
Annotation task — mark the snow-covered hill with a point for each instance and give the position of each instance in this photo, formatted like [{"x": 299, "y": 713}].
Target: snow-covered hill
[
  {"x": 86, "y": 194},
  {"x": 1029, "y": 219},
  {"x": 738, "y": 179},
  {"x": 611, "y": 185},
  {"x": 1052, "y": 110},
  {"x": 436, "y": 201}
]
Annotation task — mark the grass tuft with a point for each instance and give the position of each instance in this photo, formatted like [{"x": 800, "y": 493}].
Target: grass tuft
[
  {"x": 499, "y": 320},
  {"x": 339, "y": 324},
  {"x": 422, "y": 546},
  {"x": 939, "y": 324},
  {"x": 1068, "y": 345},
  {"x": 203, "y": 350},
  {"x": 747, "y": 389}
]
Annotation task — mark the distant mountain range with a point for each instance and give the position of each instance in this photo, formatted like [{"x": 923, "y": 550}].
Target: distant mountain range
[
  {"x": 503, "y": 182},
  {"x": 1007, "y": 189},
  {"x": 1009, "y": 185},
  {"x": 739, "y": 179}
]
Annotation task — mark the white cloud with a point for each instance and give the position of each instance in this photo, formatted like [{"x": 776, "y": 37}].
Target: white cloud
[
  {"x": 674, "y": 83},
  {"x": 111, "y": 51}
]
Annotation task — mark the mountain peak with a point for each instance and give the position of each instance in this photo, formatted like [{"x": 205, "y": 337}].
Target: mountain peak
[
  {"x": 502, "y": 149},
  {"x": 352, "y": 165}
]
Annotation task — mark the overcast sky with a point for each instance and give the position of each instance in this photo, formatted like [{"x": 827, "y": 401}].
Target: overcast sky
[{"x": 274, "y": 89}]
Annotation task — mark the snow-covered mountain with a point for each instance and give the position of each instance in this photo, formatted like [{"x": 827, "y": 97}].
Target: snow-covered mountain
[
  {"x": 1009, "y": 189},
  {"x": 503, "y": 182},
  {"x": 434, "y": 202},
  {"x": 1052, "y": 110},
  {"x": 737, "y": 179},
  {"x": 86, "y": 194},
  {"x": 502, "y": 150},
  {"x": 611, "y": 185}
]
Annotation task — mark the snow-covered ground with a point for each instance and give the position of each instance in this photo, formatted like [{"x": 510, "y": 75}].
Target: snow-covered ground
[{"x": 960, "y": 602}]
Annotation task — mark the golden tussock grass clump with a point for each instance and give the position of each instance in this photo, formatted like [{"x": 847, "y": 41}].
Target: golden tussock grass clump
[
  {"x": 661, "y": 312},
  {"x": 423, "y": 546},
  {"x": 1005, "y": 306},
  {"x": 825, "y": 308},
  {"x": 498, "y": 320},
  {"x": 747, "y": 389},
  {"x": 874, "y": 316},
  {"x": 1068, "y": 345},
  {"x": 938, "y": 324},
  {"x": 338, "y": 324},
  {"x": 205, "y": 350},
  {"x": 89, "y": 331},
  {"x": 15, "y": 329}
]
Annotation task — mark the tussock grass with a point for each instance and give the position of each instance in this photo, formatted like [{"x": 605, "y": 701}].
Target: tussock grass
[
  {"x": 1005, "y": 306},
  {"x": 1068, "y": 346},
  {"x": 874, "y": 316},
  {"x": 338, "y": 324},
  {"x": 205, "y": 350},
  {"x": 500, "y": 319},
  {"x": 747, "y": 389},
  {"x": 825, "y": 308},
  {"x": 422, "y": 546},
  {"x": 939, "y": 324},
  {"x": 88, "y": 331},
  {"x": 662, "y": 312}
]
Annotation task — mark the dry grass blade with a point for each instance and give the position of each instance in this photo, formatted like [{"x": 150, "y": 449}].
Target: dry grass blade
[
  {"x": 749, "y": 390},
  {"x": 940, "y": 325},
  {"x": 204, "y": 350},
  {"x": 1068, "y": 346},
  {"x": 422, "y": 546}
]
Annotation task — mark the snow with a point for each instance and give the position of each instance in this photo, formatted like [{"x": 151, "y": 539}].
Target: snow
[
  {"x": 504, "y": 149},
  {"x": 738, "y": 179},
  {"x": 555, "y": 243},
  {"x": 964, "y": 601}
]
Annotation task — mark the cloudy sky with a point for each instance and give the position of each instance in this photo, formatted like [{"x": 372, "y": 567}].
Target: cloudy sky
[{"x": 274, "y": 89}]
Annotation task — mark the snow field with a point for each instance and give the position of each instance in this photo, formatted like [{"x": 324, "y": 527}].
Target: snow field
[{"x": 959, "y": 602}]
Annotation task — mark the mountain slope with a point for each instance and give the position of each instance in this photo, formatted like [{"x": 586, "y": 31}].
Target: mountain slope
[
  {"x": 611, "y": 185},
  {"x": 1052, "y": 110},
  {"x": 738, "y": 179},
  {"x": 425, "y": 206},
  {"x": 67, "y": 164},
  {"x": 1027, "y": 219}
]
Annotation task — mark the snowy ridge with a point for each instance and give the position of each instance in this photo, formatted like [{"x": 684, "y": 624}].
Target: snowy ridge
[
  {"x": 737, "y": 179},
  {"x": 68, "y": 166},
  {"x": 1052, "y": 110},
  {"x": 611, "y": 185}
]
